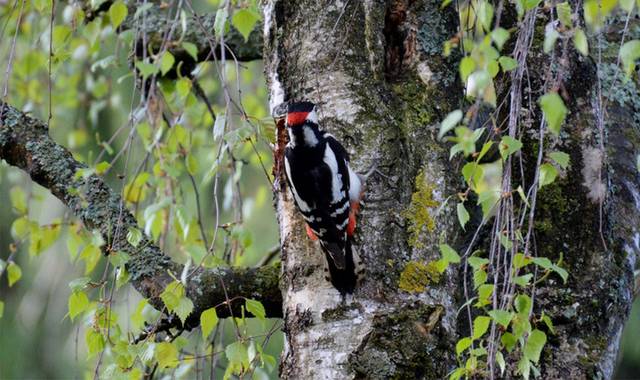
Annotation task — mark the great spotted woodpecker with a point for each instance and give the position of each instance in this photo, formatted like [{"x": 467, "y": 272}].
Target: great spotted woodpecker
[{"x": 325, "y": 190}]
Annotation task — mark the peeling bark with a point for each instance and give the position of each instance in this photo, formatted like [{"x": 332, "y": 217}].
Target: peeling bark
[{"x": 25, "y": 144}]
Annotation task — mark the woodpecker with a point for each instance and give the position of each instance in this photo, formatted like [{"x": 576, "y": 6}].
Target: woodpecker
[{"x": 325, "y": 190}]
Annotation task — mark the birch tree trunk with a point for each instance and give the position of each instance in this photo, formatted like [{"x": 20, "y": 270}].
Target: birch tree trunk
[{"x": 376, "y": 70}]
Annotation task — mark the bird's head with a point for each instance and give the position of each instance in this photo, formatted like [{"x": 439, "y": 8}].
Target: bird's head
[{"x": 300, "y": 112}]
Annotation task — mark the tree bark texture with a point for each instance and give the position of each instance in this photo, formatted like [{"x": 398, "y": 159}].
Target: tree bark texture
[{"x": 376, "y": 71}]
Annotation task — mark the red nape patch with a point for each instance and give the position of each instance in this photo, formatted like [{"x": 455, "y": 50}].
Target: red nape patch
[{"x": 296, "y": 118}]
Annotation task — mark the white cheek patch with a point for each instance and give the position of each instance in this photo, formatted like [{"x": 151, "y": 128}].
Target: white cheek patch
[{"x": 313, "y": 116}]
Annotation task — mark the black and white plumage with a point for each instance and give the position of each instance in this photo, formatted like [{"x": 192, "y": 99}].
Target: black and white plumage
[{"x": 325, "y": 190}]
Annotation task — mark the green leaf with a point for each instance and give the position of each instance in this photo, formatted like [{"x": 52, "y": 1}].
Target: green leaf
[
  {"x": 183, "y": 86},
  {"x": 134, "y": 236},
  {"x": 91, "y": 255},
  {"x": 548, "y": 174},
  {"x": 95, "y": 341},
  {"x": 1, "y": 309},
  {"x": 564, "y": 14},
  {"x": 172, "y": 294},
  {"x": 255, "y": 307},
  {"x": 245, "y": 20},
  {"x": 477, "y": 262},
  {"x": 500, "y": 37},
  {"x": 449, "y": 254},
  {"x": 501, "y": 363},
  {"x": 480, "y": 326},
  {"x": 530, "y": 4},
  {"x": 484, "y": 11},
  {"x": 117, "y": 13},
  {"x": 523, "y": 280},
  {"x": 523, "y": 304},
  {"x": 78, "y": 302},
  {"x": 191, "y": 49},
  {"x": 560, "y": 158},
  {"x": 166, "y": 62},
  {"x": 61, "y": 33},
  {"x": 137, "y": 319},
  {"x": 524, "y": 367},
  {"x": 463, "y": 214},
  {"x": 220, "y": 22},
  {"x": 467, "y": 65},
  {"x": 501, "y": 317},
  {"x": 580, "y": 42},
  {"x": 547, "y": 321},
  {"x": 508, "y": 146},
  {"x": 184, "y": 308},
  {"x": 208, "y": 321},
  {"x": 520, "y": 260},
  {"x": 535, "y": 343},
  {"x": 462, "y": 345},
  {"x": 479, "y": 278},
  {"x": 167, "y": 355},
  {"x": 592, "y": 14},
  {"x": 146, "y": 69},
  {"x": 509, "y": 341},
  {"x": 14, "y": 273},
  {"x": 191, "y": 164},
  {"x": 18, "y": 200},
  {"x": 630, "y": 53},
  {"x": 484, "y": 291},
  {"x": 554, "y": 111},
  {"x": 561, "y": 272},
  {"x": 551, "y": 35},
  {"x": 102, "y": 167},
  {"x": 237, "y": 354},
  {"x": 20, "y": 228},
  {"x": 119, "y": 258},
  {"x": 542, "y": 262},
  {"x": 507, "y": 63},
  {"x": 457, "y": 374},
  {"x": 627, "y": 5},
  {"x": 472, "y": 173},
  {"x": 79, "y": 284},
  {"x": 450, "y": 122}
]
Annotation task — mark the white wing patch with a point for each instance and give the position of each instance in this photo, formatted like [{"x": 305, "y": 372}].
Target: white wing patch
[
  {"x": 304, "y": 207},
  {"x": 340, "y": 210},
  {"x": 336, "y": 178},
  {"x": 355, "y": 185}
]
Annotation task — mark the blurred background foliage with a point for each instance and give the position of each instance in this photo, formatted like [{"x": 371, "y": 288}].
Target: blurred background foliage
[
  {"x": 171, "y": 160},
  {"x": 180, "y": 169}
]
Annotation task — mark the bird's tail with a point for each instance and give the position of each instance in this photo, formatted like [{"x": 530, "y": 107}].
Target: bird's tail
[{"x": 343, "y": 268}]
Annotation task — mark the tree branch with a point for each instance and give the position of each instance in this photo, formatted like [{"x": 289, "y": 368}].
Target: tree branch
[
  {"x": 26, "y": 144},
  {"x": 198, "y": 31}
]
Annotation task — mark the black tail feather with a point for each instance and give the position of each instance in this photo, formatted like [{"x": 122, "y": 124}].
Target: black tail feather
[{"x": 344, "y": 279}]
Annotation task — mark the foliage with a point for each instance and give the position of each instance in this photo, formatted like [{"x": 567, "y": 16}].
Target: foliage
[
  {"x": 153, "y": 131},
  {"x": 504, "y": 323}
]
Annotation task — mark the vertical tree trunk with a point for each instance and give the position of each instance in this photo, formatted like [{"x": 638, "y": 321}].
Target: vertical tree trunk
[{"x": 376, "y": 70}]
